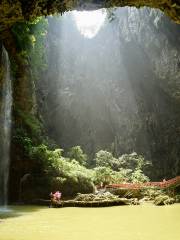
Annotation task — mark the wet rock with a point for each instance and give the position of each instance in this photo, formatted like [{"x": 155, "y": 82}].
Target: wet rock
[
  {"x": 163, "y": 200},
  {"x": 177, "y": 198}
]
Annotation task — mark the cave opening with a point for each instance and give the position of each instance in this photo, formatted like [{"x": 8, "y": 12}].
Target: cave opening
[{"x": 89, "y": 23}]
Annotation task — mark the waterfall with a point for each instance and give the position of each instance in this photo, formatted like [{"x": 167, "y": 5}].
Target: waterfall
[{"x": 5, "y": 128}]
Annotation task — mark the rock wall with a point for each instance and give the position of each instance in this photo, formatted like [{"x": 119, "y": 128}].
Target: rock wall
[
  {"x": 127, "y": 98},
  {"x": 155, "y": 42},
  {"x": 24, "y": 111},
  {"x": 12, "y": 11}
]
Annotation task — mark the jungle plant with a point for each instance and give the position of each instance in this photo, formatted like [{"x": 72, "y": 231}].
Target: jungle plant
[
  {"x": 69, "y": 176},
  {"x": 78, "y": 154}
]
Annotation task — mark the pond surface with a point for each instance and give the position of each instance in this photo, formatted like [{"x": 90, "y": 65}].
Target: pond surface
[{"x": 145, "y": 222}]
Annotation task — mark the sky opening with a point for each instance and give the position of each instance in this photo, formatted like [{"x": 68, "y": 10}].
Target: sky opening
[{"x": 89, "y": 22}]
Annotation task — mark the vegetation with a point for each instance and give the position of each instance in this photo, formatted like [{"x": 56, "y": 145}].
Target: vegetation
[
  {"x": 127, "y": 168},
  {"x": 64, "y": 173},
  {"x": 94, "y": 197},
  {"x": 70, "y": 174},
  {"x": 163, "y": 200},
  {"x": 77, "y": 154},
  {"x": 30, "y": 42}
]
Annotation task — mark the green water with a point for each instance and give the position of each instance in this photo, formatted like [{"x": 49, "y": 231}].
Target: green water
[{"x": 145, "y": 222}]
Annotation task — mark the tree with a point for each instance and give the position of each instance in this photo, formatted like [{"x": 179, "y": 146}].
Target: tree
[
  {"x": 103, "y": 175},
  {"x": 132, "y": 161},
  {"x": 139, "y": 177},
  {"x": 78, "y": 154},
  {"x": 68, "y": 176},
  {"x": 105, "y": 159}
]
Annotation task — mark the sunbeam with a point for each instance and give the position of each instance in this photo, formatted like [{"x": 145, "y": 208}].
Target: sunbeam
[{"x": 89, "y": 22}]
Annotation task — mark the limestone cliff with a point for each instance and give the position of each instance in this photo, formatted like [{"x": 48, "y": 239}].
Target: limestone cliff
[{"x": 126, "y": 97}]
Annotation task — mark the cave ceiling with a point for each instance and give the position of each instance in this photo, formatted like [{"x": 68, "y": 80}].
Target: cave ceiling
[{"x": 12, "y": 11}]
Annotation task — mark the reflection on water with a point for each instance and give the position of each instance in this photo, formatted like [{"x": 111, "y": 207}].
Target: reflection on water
[
  {"x": 146, "y": 222},
  {"x": 15, "y": 211},
  {"x": 6, "y": 212}
]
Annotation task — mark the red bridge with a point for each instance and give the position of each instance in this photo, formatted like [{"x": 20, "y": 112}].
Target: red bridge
[{"x": 174, "y": 182}]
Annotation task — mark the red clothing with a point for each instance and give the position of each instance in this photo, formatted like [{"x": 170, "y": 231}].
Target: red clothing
[{"x": 57, "y": 196}]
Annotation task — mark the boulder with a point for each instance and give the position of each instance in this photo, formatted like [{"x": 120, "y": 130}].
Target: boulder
[{"x": 163, "y": 200}]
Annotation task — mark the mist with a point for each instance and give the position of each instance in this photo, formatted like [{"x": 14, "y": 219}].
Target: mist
[{"x": 105, "y": 83}]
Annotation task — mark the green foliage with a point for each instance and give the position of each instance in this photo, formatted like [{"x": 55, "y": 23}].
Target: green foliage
[
  {"x": 152, "y": 192},
  {"x": 77, "y": 154},
  {"x": 38, "y": 51},
  {"x": 68, "y": 176},
  {"x": 28, "y": 125},
  {"x": 126, "y": 161},
  {"x": 132, "y": 161},
  {"x": 96, "y": 197},
  {"x": 24, "y": 141},
  {"x": 24, "y": 36},
  {"x": 32, "y": 123},
  {"x": 127, "y": 168},
  {"x": 163, "y": 200},
  {"x": 138, "y": 176},
  {"x": 105, "y": 159},
  {"x": 123, "y": 175},
  {"x": 177, "y": 198},
  {"x": 103, "y": 175},
  {"x": 30, "y": 42}
]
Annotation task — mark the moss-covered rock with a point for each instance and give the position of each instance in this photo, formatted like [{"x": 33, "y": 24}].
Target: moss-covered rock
[
  {"x": 152, "y": 193},
  {"x": 177, "y": 198},
  {"x": 90, "y": 200},
  {"x": 95, "y": 197},
  {"x": 163, "y": 200},
  {"x": 129, "y": 193},
  {"x": 105, "y": 197}
]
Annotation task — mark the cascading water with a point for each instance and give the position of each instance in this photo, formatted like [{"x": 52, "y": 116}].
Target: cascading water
[{"x": 5, "y": 128}]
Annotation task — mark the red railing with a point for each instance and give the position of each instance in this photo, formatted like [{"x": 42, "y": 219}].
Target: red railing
[{"x": 163, "y": 184}]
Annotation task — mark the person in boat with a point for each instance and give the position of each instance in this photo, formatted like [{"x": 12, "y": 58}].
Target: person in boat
[
  {"x": 54, "y": 197},
  {"x": 57, "y": 195}
]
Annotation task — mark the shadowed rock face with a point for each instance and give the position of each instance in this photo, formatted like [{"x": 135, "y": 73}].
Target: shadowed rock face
[
  {"x": 12, "y": 11},
  {"x": 126, "y": 96}
]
